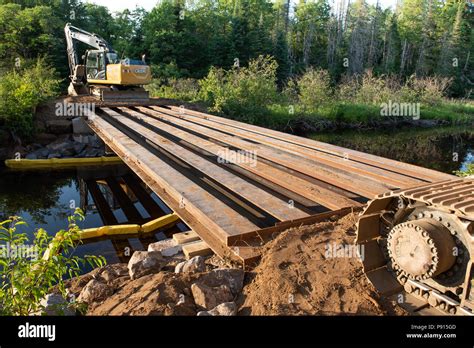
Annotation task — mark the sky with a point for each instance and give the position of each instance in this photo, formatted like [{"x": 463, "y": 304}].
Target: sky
[{"x": 120, "y": 5}]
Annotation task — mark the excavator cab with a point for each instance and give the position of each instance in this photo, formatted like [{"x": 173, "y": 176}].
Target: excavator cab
[{"x": 96, "y": 65}]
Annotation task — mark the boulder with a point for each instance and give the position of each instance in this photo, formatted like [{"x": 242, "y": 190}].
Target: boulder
[
  {"x": 145, "y": 262},
  {"x": 61, "y": 145},
  {"x": 32, "y": 156},
  {"x": 78, "y": 147},
  {"x": 79, "y": 126},
  {"x": 193, "y": 265},
  {"x": 224, "y": 309},
  {"x": 113, "y": 271},
  {"x": 97, "y": 143},
  {"x": 208, "y": 298},
  {"x": 94, "y": 291},
  {"x": 42, "y": 153},
  {"x": 56, "y": 304},
  {"x": 231, "y": 277},
  {"x": 167, "y": 247}
]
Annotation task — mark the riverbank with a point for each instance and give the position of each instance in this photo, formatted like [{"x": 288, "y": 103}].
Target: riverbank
[{"x": 69, "y": 136}]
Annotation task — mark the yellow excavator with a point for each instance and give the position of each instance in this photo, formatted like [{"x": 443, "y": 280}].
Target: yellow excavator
[{"x": 102, "y": 73}]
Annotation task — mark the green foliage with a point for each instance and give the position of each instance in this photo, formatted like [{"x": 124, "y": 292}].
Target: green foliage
[
  {"x": 314, "y": 89},
  {"x": 26, "y": 280},
  {"x": 469, "y": 171},
  {"x": 243, "y": 93},
  {"x": 180, "y": 89},
  {"x": 21, "y": 91},
  {"x": 26, "y": 32}
]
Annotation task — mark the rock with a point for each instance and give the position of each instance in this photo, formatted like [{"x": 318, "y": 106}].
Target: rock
[
  {"x": 31, "y": 156},
  {"x": 167, "y": 247},
  {"x": 59, "y": 126},
  {"x": 184, "y": 306},
  {"x": 193, "y": 265},
  {"x": 162, "y": 244},
  {"x": 56, "y": 304},
  {"x": 224, "y": 309},
  {"x": 145, "y": 262},
  {"x": 208, "y": 298},
  {"x": 173, "y": 251},
  {"x": 79, "y": 126},
  {"x": 61, "y": 145},
  {"x": 54, "y": 155},
  {"x": 94, "y": 291},
  {"x": 97, "y": 143},
  {"x": 42, "y": 153},
  {"x": 113, "y": 271},
  {"x": 78, "y": 147},
  {"x": 231, "y": 277}
]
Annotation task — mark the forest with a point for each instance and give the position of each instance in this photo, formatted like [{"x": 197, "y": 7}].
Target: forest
[{"x": 295, "y": 55}]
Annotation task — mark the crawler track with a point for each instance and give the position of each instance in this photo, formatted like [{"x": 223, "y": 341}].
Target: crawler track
[{"x": 419, "y": 246}]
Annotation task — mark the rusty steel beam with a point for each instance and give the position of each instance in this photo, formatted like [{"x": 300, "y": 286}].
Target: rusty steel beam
[
  {"x": 349, "y": 181},
  {"x": 375, "y": 173},
  {"x": 381, "y": 162}
]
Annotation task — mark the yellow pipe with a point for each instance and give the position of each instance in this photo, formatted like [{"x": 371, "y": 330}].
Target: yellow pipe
[
  {"x": 96, "y": 232},
  {"x": 150, "y": 226},
  {"x": 60, "y": 162},
  {"x": 159, "y": 223}
]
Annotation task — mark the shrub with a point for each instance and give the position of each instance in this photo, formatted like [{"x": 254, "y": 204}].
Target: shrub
[
  {"x": 430, "y": 90},
  {"x": 242, "y": 93},
  {"x": 26, "y": 280},
  {"x": 314, "y": 89},
  {"x": 374, "y": 90},
  {"x": 21, "y": 91},
  {"x": 181, "y": 89}
]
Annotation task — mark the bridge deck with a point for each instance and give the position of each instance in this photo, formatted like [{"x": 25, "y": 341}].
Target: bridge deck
[{"x": 228, "y": 180}]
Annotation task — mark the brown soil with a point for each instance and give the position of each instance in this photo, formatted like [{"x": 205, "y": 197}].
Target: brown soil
[{"x": 295, "y": 278}]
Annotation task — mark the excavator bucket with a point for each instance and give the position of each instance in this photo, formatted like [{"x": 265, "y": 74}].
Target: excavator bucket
[{"x": 77, "y": 90}]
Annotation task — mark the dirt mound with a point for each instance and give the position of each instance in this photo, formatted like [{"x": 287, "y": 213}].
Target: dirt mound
[
  {"x": 311, "y": 270},
  {"x": 305, "y": 271}
]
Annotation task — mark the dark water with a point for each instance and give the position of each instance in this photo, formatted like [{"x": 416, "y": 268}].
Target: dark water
[
  {"x": 444, "y": 149},
  {"x": 46, "y": 198}
]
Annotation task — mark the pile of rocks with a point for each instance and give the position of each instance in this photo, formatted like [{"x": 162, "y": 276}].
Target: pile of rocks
[
  {"x": 67, "y": 146},
  {"x": 207, "y": 290}
]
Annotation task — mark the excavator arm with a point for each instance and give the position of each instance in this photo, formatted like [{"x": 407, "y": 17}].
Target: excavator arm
[{"x": 74, "y": 34}]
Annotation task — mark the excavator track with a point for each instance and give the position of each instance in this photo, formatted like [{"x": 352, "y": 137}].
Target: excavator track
[{"x": 417, "y": 247}]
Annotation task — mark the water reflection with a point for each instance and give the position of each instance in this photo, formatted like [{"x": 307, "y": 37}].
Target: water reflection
[
  {"x": 445, "y": 149},
  {"x": 108, "y": 195}
]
